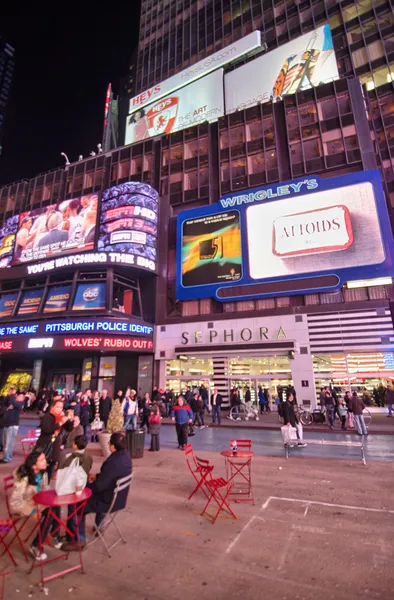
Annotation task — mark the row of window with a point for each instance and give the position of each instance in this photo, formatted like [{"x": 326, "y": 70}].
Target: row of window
[
  {"x": 208, "y": 306},
  {"x": 167, "y": 48}
]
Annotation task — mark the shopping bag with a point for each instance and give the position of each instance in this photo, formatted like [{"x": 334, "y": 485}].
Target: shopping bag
[
  {"x": 69, "y": 478},
  {"x": 97, "y": 424},
  {"x": 289, "y": 434}
]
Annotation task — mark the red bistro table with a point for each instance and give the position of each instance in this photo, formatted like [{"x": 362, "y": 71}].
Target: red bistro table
[
  {"x": 49, "y": 499},
  {"x": 239, "y": 472}
]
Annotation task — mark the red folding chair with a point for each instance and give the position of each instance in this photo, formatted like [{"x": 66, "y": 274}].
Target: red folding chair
[
  {"x": 244, "y": 444},
  {"x": 17, "y": 523},
  {"x": 194, "y": 470},
  {"x": 214, "y": 487},
  {"x": 30, "y": 441}
]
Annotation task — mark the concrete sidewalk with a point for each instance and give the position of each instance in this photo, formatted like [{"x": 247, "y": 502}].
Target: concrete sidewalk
[
  {"x": 319, "y": 529},
  {"x": 380, "y": 424}
]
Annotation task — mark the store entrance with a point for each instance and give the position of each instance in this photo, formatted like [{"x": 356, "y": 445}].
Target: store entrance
[{"x": 267, "y": 383}]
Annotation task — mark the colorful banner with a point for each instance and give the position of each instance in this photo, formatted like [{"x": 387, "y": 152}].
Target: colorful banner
[
  {"x": 211, "y": 249},
  {"x": 57, "y": 298},
  {"x": 193, "y": 104},
  {"x": 305, "y": 62},
  {"x": 128, "y": 223},
  {"x": 59, "y": 228},
  {"x": 297, "y": 237},
  {"x": 7, "y": 241},
  {"x": 90, "y": 296},
  {"x": 30, "y": 302},
  {"x": 7, "y": 303}
]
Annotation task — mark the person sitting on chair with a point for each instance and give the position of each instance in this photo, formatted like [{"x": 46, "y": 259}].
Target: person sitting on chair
[{"x": 117, "y": 466}]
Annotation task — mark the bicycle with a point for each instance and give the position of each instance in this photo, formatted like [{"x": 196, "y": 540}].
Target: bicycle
[
  {"x": 245, "y": 412},
  {"x": 303, "y": 415}
]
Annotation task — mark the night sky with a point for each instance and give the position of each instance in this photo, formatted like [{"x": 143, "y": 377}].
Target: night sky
[{"x": 63, "y": 67}]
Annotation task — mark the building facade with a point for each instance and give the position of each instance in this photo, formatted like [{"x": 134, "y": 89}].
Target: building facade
[
  {"x": 7, "y": 64},
  {"x": 324, "y": 130},
  {"x": 340, "y": 126}
]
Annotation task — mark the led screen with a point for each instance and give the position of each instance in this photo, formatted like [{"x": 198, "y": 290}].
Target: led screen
[
  {"x": 319, "y": 232},
  {"x": 306, "y": 61},
  {"x": 128, "y": 223},
  {"x": 7, "y": 303},
  {"x": 30, "y": 303},
  {"x": 56, "y": 229},
  {"x": 294, "y": 237},
  {"x": 7, "y": 241},
  {"x": 89, "y": 296},
  {"x": 211, "y": 249},
  {"x": 195, "y": 103},
  {"x": 57, "y": 298}
]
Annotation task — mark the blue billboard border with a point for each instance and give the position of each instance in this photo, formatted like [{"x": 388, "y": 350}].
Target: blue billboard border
[{"x": 244, "y": 198}]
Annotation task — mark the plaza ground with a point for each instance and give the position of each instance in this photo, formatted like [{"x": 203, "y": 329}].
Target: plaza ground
[{"x": 321, "y": 528}]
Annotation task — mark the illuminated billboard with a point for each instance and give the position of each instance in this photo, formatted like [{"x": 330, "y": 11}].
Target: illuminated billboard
[
  {"x": 7, "y": 303},
  {"x": 56, "y": 229},
  {"x": 211, "y": 249},
  {"x": 30, "y": 303},
  {"x": 193, "y": 104},
  {"x": 128, "y": 224},
  {"x": 305, "y": 62},
  {"x": 245, "y": 46},
  {"x": 57, "y": 299},
  {"x": 89, "y": 296},
  {"x": 294, "y": 237},
  {"x": 7, "y": 241}
]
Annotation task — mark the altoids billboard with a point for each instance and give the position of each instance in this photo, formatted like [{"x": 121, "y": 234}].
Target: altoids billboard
[{"x": 296, "y": 237}]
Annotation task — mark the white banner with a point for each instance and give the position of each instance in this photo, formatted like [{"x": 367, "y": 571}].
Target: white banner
[
  {"x": 304, "y": 62},
  {"x": 198, "y": 102},
  {"x": 239, "y": 48},
  {"x": 315, "y": 233}
]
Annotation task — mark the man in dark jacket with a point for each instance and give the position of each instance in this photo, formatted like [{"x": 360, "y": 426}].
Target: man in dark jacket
[
  {"x": 3, "y": 408},
  {"x": 14, "y": 406},
  {"x": 50, "y": 439},
  {"x": 105, "y": 407},
  {"x": 216, "y": 403},
  {"x": 357, "y": 406},
  {"x": 117, "y": 466},
  {"x": 389, "y": 399}
]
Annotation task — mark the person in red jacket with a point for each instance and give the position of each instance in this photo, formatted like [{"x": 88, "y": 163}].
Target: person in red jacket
[{"x": 182, "y": 415}]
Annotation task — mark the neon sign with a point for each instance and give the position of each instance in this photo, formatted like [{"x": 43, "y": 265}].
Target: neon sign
[{"x": 112, "y": 343}]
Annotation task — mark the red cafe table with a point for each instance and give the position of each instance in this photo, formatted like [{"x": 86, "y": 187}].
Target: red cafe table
[
  {"x": 239, "y": 473},
  {"x": 49, "y": 499}
]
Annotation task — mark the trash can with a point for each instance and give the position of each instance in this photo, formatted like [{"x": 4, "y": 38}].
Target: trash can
[{"x": 135, "y": 440}]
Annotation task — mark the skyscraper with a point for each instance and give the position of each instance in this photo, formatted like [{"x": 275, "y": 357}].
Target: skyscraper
[
  {"x": 7, "y": 63},
  {"x": 338, "y": 126}
]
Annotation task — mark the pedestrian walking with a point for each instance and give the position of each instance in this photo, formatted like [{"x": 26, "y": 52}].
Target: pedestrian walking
[
  {"x": 235, "y": 402},
  {"x": 216, "y": 403},
  {"x": 330, "y": 408},
  {"x": 342, "y": 410},
  {"x": 130, "y": 409},
  {"x": 357, "y": 406},
  {"x": 287, "y": 412},
  {"x": 146, "y": 411},
  {"x": 182, "y": 415},
  {"x": 154, "y": 429},
  {"x": 14, "y": 407},
  {"x": 262, "y": 400},
  {"x": 105, "y": 407},
  {"x": 389, "y": 399},
  {"x": 85, "y": 413}
]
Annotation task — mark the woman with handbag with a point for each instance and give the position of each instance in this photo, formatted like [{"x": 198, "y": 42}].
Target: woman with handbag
[{"x": 29, "y": 479}]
